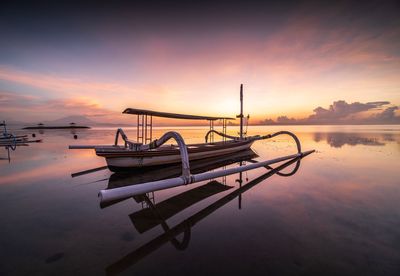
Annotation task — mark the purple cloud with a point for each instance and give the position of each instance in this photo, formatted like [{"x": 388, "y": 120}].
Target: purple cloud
[{"x": 341, "y": 112}]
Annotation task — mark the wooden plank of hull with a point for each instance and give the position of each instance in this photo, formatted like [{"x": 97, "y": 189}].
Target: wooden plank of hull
[
  {"x": 121, "y": 151},
  {"x": 154, "y": 160},
  {"x": 131, "y": 176}
]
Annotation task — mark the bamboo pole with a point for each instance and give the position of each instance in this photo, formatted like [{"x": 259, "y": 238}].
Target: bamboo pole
[{"x": 129, "y": 191}]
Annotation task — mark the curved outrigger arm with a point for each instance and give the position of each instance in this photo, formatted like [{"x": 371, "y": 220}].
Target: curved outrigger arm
[
  {"x": 123, "y": 136},
  {"x": 220, "y": 134},
  {"x": 157, "y": 143},
  {"x": 280, "y": 133},
  {"x": 182, "y": 148},
  {"x": 257, "y": 137}
]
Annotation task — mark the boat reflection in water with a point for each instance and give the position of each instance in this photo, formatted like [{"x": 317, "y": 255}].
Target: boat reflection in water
[
  {"x": 121, "y": 179},
  {"x": 153, "y": 214}
]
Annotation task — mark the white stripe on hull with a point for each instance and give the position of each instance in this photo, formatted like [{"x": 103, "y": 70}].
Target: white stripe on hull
[{"x": 129, "y": 162}]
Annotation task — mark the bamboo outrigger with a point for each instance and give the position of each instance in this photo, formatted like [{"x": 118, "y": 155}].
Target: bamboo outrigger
[{"x": 148, "y": 153}]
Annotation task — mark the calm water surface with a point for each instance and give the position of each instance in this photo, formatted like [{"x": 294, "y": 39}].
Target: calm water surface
[{"x": 338, "y": 215}]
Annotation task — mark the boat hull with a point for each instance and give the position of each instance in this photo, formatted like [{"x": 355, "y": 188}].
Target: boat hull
[
  {"x": 155, "y": 173},
  {"x": 118, "y": 160}
]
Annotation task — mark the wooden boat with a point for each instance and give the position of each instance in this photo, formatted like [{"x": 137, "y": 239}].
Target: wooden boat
[
  {"x": 148, "y": 153},
  {"x": 135, "y": 154},
  {"x": 121, "y": 158}
]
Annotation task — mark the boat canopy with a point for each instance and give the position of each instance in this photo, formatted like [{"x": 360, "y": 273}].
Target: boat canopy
[{"x": 135, "y": 111}]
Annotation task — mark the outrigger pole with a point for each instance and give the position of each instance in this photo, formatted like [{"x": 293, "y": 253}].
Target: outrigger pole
[{"x": 117, "y": 194}]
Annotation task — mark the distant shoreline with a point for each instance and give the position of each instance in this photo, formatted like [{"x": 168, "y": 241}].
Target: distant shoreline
[
  {"x": 194, "y": 125},
  {"x": 56, "y": 127}
]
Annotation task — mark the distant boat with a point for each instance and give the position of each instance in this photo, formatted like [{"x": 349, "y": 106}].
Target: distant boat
[
  {"x": 10, "y": 141},
  {"x": 57, "y": 127}
]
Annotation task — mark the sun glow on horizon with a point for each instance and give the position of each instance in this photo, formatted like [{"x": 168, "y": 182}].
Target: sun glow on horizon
[{"x": 290, "y": 67}]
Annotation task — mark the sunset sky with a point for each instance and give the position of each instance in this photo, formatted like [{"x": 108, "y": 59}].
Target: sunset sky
[{"x": 97, "y": 59}]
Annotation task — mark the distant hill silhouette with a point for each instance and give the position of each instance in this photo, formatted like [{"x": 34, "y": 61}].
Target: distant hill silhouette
[{"x": 77, "y": 119}]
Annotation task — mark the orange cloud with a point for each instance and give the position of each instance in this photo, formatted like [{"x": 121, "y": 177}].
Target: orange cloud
[
  {"x": 63, "y": 84},
  {"x": 298, "y": 66},
  {"x": 16, "y": 107}
]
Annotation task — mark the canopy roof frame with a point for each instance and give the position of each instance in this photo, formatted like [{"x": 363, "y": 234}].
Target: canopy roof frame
[
  {"x": 135, "y": 111},
  {"x": 145, "y": 122}
]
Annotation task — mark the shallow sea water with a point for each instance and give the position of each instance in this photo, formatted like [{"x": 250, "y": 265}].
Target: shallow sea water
[{"x": 339, "y": 214}]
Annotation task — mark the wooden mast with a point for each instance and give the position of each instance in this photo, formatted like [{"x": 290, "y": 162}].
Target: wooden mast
[{"x": 241, "y": 111}]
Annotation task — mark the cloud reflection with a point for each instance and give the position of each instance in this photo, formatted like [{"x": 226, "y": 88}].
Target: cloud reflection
[{"x": 339, "y": 139}]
